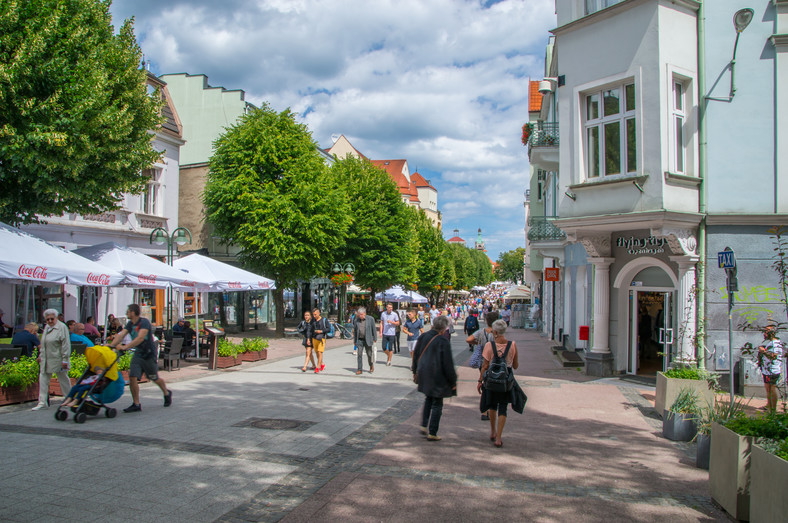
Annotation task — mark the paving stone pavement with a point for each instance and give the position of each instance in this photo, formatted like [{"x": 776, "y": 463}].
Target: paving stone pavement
[{"x": 352, "y": 452}]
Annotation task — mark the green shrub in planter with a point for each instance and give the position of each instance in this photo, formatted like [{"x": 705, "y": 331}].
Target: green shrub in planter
[
  {"x": 679, "y": 422},
  {"x": 694, "y": 373},
  {"x": 771, "y": 426},
  {"x": 254, "y": 344},
  {"x": 124, "y": 362},
  {"x": 78, "y": 365},
  {"x": 19, "y": 373},
  {"x": 227, "y": 349}
]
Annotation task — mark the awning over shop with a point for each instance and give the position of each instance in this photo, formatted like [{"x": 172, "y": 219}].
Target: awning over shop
[
  {"x": 25, "y": 257},
  {"x": 139, "y": 270},
  {"x": 219, "y": 276},
  {"x": 517, "y": 293}
]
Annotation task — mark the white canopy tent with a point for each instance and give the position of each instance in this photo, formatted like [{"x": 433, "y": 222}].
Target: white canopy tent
[
  {"x": 517, "y": 293},
  {"x": 398, "y": 294}
]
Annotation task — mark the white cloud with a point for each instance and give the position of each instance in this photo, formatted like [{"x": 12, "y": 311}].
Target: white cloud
[{"x": 442, "y": 83}]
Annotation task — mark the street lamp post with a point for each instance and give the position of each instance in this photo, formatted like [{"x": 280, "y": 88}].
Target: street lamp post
[
  {"x": 180, "y": 236},
  {"x": 343, "y": 268}
]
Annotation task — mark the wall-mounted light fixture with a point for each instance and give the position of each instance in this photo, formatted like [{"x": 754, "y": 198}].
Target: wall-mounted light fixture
[
  {"x": 741, "y": 19},
  {"x": 548, "y": 85}
]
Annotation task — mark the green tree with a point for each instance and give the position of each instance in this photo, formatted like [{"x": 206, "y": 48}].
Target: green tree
[
  {"x": 464, "y": 268},
  {"x": 75, "y": 114},
  {"x": 482, "y": 268},
  {"x": 269, "y": 193},
  {"x": 380, "y": 242},
  {"x": 510, "y": 265},
  {"x": 431, "y": 253}
]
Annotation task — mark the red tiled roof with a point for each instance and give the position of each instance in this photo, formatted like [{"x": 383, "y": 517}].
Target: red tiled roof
[
  {"x": 419, "y": 180},
  {"x": 455, "y": 239},
  {"x": 534, "y": 97},
  {"x": 394, "y": 169},
  {"x": 414, "y": 194}
]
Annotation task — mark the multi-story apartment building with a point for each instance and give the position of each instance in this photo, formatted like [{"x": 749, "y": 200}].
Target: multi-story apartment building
[{"x": 670, "y": 149}]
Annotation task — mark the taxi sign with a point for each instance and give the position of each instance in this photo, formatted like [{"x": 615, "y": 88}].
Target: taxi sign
[{"x": 726, "y": 259}]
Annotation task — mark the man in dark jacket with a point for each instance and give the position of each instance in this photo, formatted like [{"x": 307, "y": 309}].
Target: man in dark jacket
[
  {"x": 364, "y": 337},
  {"x": 434, "y": 366}
]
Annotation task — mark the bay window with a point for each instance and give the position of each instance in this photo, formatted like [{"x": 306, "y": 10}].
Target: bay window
[{"x": 610, "y": 131}]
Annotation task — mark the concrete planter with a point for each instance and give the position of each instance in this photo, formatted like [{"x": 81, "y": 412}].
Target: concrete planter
[
  {"x": 729, "y": 471},
  {"x": 669, "y": 388},
  {"x": 679, "y": 427},
  {"x": 224, "y": 362},
  {"x": 703, "y": 451},
  {"x": 768, "y": 472}
]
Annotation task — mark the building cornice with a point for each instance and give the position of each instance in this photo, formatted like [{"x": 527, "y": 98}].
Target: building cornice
[
  {"x": 766, "y": 220},
  {"x": 655, "y": 221},
  {"x": 614, "y": 10},
  {"x": 779, "y": 41}
]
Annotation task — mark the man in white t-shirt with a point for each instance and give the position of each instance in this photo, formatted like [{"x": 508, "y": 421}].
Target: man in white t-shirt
[
  {"x": 389, "y": 321},
  {"x": 434, "y": 313}
]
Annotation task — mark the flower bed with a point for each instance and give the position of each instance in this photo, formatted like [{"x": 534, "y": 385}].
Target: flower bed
[{"x": 253, "y": 349}]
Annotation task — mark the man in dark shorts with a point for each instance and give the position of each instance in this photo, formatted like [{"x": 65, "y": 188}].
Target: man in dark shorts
[{"x": 144, "y": 359}]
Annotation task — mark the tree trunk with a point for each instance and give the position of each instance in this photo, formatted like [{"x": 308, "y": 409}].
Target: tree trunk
[{"x": 279, "y": 306}]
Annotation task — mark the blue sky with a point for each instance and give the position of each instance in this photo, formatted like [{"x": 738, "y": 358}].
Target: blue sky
[{"x": 441, "y": 83}]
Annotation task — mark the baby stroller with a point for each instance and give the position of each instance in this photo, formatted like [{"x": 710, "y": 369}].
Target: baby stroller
[{"x": 101, "y": 383}]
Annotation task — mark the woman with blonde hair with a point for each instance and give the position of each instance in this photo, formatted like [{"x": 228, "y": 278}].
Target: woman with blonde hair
[{"x": 499, "y": 348}]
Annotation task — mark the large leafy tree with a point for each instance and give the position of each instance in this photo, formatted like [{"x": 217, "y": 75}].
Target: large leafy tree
[
  {"x": 483, "y": 273},
  {"x": 380, "y": 241},
  {"x": 464, "y": 268},
  {"x": 269, "y": 193},
  {"x": 75, "y": 114},
  {"x": 430, "y": 266},
  {"x": 510, "y": 265}
]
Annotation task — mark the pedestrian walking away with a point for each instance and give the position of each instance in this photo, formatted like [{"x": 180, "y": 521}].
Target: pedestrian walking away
[
  {"x": 497, "y": 400},
  {"x": 389, "y": 321},
  {"x": 305, "y": 328},
  {"x": 470, "y": 326},
  {"x": 320, "y": 327},
  {"x": 433, "y": 370},
  {"x": 54, "y": 357},
  {"x": 144, "y": 359},
  {"x": 413, "y": 328},
  {"x": 479, "y": 339},
  {"x": 364, "y": 337}
]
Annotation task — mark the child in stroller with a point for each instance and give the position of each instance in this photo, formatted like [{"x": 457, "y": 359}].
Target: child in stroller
[{"x": 101, "y": 383}]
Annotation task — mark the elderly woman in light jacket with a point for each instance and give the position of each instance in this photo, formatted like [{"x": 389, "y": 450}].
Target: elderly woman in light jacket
[{"x": 54, "y": 357}]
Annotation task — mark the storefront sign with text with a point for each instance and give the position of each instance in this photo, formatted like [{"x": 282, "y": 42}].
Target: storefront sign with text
[
  {"x": 647, "y": 245},
  {"x": 552, "y": 274}
]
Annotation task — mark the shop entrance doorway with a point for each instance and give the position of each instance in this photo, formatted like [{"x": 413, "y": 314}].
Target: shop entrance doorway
[{"x": 651, "y": 331}]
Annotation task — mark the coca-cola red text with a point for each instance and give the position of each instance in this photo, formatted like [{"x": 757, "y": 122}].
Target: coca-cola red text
[
  {"x": 149, "y": 279},
  {"x": 98, "y": 279},
  {"x": 38, "y": 272}
]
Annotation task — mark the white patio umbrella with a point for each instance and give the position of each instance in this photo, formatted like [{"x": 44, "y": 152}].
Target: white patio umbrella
[
  {"x": 25, "y": 257},
  {"x": 398, "y": 294},
  {"x": 218, "y": 276}
]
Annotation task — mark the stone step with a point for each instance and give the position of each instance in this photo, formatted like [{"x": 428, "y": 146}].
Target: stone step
[{"x": 570, "y": 358}]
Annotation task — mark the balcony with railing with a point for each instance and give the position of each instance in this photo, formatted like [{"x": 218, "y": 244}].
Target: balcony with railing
[
  {"x": 543, "y": 145},
  {"x": 541, "y": 228}
]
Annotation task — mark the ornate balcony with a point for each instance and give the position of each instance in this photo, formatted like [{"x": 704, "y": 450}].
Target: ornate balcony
[{"x": 541, "y": 228}]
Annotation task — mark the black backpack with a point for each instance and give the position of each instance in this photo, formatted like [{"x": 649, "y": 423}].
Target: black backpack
[
  {"x": 498, "y": 377},
  {"x": 472, "y": 324}
]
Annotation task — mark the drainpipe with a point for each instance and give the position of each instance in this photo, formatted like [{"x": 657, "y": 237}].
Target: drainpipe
[{"x": 700, "y": 327}]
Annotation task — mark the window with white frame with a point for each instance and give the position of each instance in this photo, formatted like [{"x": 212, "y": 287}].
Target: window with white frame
[
  {"x": 149, "y": 198},
  {"x": 592, "y": 6},
  {"x": 679, "y": 118},
  {"x": 610, "y": 131}
]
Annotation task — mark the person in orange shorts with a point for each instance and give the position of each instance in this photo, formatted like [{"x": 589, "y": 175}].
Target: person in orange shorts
[{"x": 320, "y": 327}]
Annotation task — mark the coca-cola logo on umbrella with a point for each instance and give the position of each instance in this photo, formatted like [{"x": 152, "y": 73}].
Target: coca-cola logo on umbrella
[
  {"x": 149, "y": 279},
  {"x": 98, "y": 279},
  {"x": 263, "y": 284},
  {"x": 188, "y": 283},
  {"x": 234, "y": 284},
  {"x": 37, "y": 273}
]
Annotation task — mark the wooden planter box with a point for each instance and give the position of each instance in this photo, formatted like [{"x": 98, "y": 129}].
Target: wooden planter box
[
  {"x": 768, "y": 475},
  {"x": 54, "y": 386},
  {"x": 224, "y": 362},
  {"x": 9, "y": 396},
  {"x": 251, "y": 356},
  {"x": 669, "y": 388},
  {"x": 729, "y": 471}
]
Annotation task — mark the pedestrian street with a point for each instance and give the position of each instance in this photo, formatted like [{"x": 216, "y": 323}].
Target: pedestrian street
[{"x": 271, "y": 443}]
